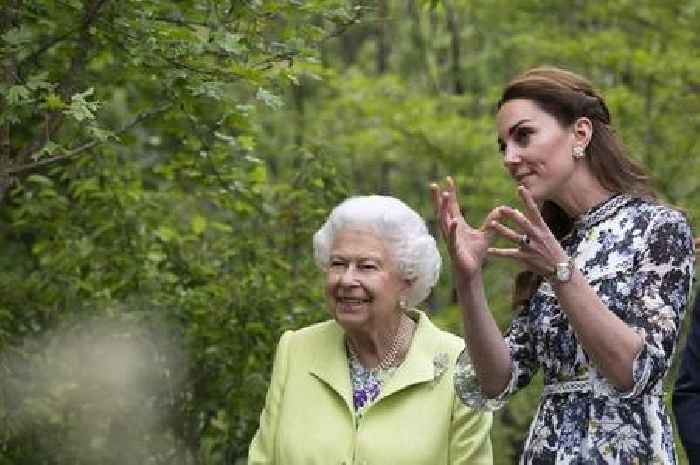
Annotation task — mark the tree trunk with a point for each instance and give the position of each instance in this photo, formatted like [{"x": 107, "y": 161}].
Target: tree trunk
[
  {"x": 455, "y": 48},
  {"x": 382, "y": 36},
  {"x": 8, "y": 77}
]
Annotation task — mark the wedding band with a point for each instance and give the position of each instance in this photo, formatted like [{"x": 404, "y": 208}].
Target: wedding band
[{"x": 524, "y": 241}]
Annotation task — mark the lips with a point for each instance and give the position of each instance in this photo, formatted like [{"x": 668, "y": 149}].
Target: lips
[
  {"x": 352, "y": 300},
  {"x": 521, "y": 177}
]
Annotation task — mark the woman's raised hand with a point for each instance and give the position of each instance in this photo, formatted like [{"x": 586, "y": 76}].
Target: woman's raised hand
[
  {"x": 467, "y": 246},
  {"x": 537, "y": 248}
]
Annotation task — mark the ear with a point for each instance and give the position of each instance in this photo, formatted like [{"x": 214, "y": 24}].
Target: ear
[
  {"x": 406, "y": 284},
  {"x": 583, "y": 131}
]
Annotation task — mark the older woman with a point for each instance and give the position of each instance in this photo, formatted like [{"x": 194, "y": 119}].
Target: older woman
[
  {"x": 607, "y": 276},
  {"x": 374, "y": 384}
]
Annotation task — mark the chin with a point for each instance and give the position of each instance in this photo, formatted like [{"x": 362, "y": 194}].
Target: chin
[
  {"x": 539, "y": 194},
  {"x": 349, "y": 318}
]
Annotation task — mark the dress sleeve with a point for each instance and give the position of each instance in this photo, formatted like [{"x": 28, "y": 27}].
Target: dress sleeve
[
  {"x": 520, "y": 342},
  {"x": 470, "y": 440},
  {"x": 659, "y": 295},
  {"x": 262, "y": 448}
]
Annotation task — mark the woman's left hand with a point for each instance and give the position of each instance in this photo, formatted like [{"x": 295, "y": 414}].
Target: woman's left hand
[{"x": 537, "y": 248}]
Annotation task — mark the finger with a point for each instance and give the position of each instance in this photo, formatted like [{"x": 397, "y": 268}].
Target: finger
[
  {"x": 522, "y": 223},
  {"x": 493, "y": 215},
  {"x": 531, "y": 208},
  {"x": 506, "y": 253},
  {"x": 439, "y": 207},
  {"x": 452, "y": 236},
  {"x": 505, "y": 231},
  {"x": 453, "y": 203},
  {"x": 435, "y": 196}
]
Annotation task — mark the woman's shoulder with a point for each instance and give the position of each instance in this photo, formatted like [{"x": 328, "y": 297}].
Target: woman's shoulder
[
  {"x": 646, "y": 214},
  {"x": 318, "y": 331},
  {"x": 655, "y": 209},
  {"x": 442, "y": 340},
  {"x": 663, "y": 231}
]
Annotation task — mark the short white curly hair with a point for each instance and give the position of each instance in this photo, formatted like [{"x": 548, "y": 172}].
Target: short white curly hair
[{"x": 403, "y": 231}]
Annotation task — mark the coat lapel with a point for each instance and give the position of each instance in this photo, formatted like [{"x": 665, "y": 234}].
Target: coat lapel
[
  {"x": 330, "y": 365},
  {"x": 418, "y": 366}
]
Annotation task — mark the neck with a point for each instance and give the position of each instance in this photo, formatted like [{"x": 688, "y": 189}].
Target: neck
[
  {"x": 375, "y": 346},
  {"x": 580, "y": 195}
]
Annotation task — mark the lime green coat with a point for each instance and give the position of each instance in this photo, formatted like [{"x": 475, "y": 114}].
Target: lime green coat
[{"x": 417, "y": 420}]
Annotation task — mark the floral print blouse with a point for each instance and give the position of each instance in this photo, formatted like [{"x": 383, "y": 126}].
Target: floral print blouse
[
  {"x": 366, "y": 384},
  {"x": 638, "y": 257}
]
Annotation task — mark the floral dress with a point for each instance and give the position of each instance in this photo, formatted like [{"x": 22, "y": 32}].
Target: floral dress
[
  {"x": 366, "y": 384},
  {"x": 638, "y": 256}
]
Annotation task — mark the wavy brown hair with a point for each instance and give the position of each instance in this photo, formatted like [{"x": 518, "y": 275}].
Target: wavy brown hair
[{"x": 566, "y": 96}]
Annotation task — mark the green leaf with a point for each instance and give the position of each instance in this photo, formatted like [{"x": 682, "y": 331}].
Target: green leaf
[
  {"x": 156, "y": 256},
  {"x": 101, "y": 134},
  {"x": 165, "y": 233},
  {"x": 212, "y": 89},
  {"x": 54, "y": 102},
  {"x": 246, "y": 142},
  {"x": 269, "y": 99},
  {"x": 18, "y": 36},
  {"x": 81, "y": 108},
  {"x": 17, "y": 95},
  {"x": 232, "y": 43},
  {"x": 199, "y": 224},
  {"x": 40, "y": 179},
  {"x": 39, "y": 81},
  {"x": 50, "y": 149}
]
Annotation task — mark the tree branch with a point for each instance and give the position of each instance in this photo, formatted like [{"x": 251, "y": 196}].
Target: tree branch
[
  {"x": 47, "y": 46},
  {"x": 54, "y": 120},
  {"x": 88, "y": 145}
]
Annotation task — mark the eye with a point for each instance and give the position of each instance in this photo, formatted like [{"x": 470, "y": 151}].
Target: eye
[
  {"x": 522, "y": 136},
  {"x": 367, "y": 266},
  {"x": 336, "y": 263}
]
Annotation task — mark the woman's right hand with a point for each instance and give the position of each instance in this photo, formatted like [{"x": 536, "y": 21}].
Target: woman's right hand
[{"x": 467, "y": 246}]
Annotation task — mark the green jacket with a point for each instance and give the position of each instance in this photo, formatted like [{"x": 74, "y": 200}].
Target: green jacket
[{"x": 308, "y": 416}]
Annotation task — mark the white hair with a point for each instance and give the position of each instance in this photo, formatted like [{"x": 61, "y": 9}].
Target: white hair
[{"x": 402, "y": 230}]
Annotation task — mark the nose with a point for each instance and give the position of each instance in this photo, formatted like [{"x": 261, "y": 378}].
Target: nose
[
  {"x": 511, "y": 155},
  {"x": 348, "y": 276}
]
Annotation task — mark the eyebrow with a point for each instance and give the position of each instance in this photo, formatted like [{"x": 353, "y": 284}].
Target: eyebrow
[
  {"x": 513, "y": 128},
  {"x": 516, "y": 125},
  {"x": 359, "y": 258}
]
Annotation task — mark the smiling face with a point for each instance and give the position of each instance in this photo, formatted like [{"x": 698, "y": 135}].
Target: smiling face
[
  {"x": 536, "y": 148},
  {"x": 363, "y": 284}
]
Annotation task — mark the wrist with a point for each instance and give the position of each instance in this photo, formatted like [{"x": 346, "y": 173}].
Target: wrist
[
  {"x": 469, "y": 284},
  {"x": 562, "y": 272}
]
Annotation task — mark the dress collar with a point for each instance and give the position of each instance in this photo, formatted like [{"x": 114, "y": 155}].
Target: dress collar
[{"x": 601, "y": 211}]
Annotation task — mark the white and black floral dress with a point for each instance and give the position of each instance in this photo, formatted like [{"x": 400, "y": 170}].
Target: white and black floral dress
[{"x": 638, "y": 256}]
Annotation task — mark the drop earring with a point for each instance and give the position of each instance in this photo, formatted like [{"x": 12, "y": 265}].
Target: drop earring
[{"x": 577, "y": 152}]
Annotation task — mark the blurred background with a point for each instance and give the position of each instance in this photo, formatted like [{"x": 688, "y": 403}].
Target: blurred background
[{"x": 163, "y": 165}]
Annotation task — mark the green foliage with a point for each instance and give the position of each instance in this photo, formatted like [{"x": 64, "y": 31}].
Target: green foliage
[
  {"x": 149, "y": 260},
  {"x": 164, "y": 164},
  {"x": 206, "y": 274}
]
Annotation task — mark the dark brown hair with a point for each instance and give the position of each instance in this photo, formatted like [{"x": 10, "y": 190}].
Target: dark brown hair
[{"x": 567, "y": 96}]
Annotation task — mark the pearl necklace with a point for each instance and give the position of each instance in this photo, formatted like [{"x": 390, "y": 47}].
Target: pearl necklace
[{"x": 403, "y": 332}]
